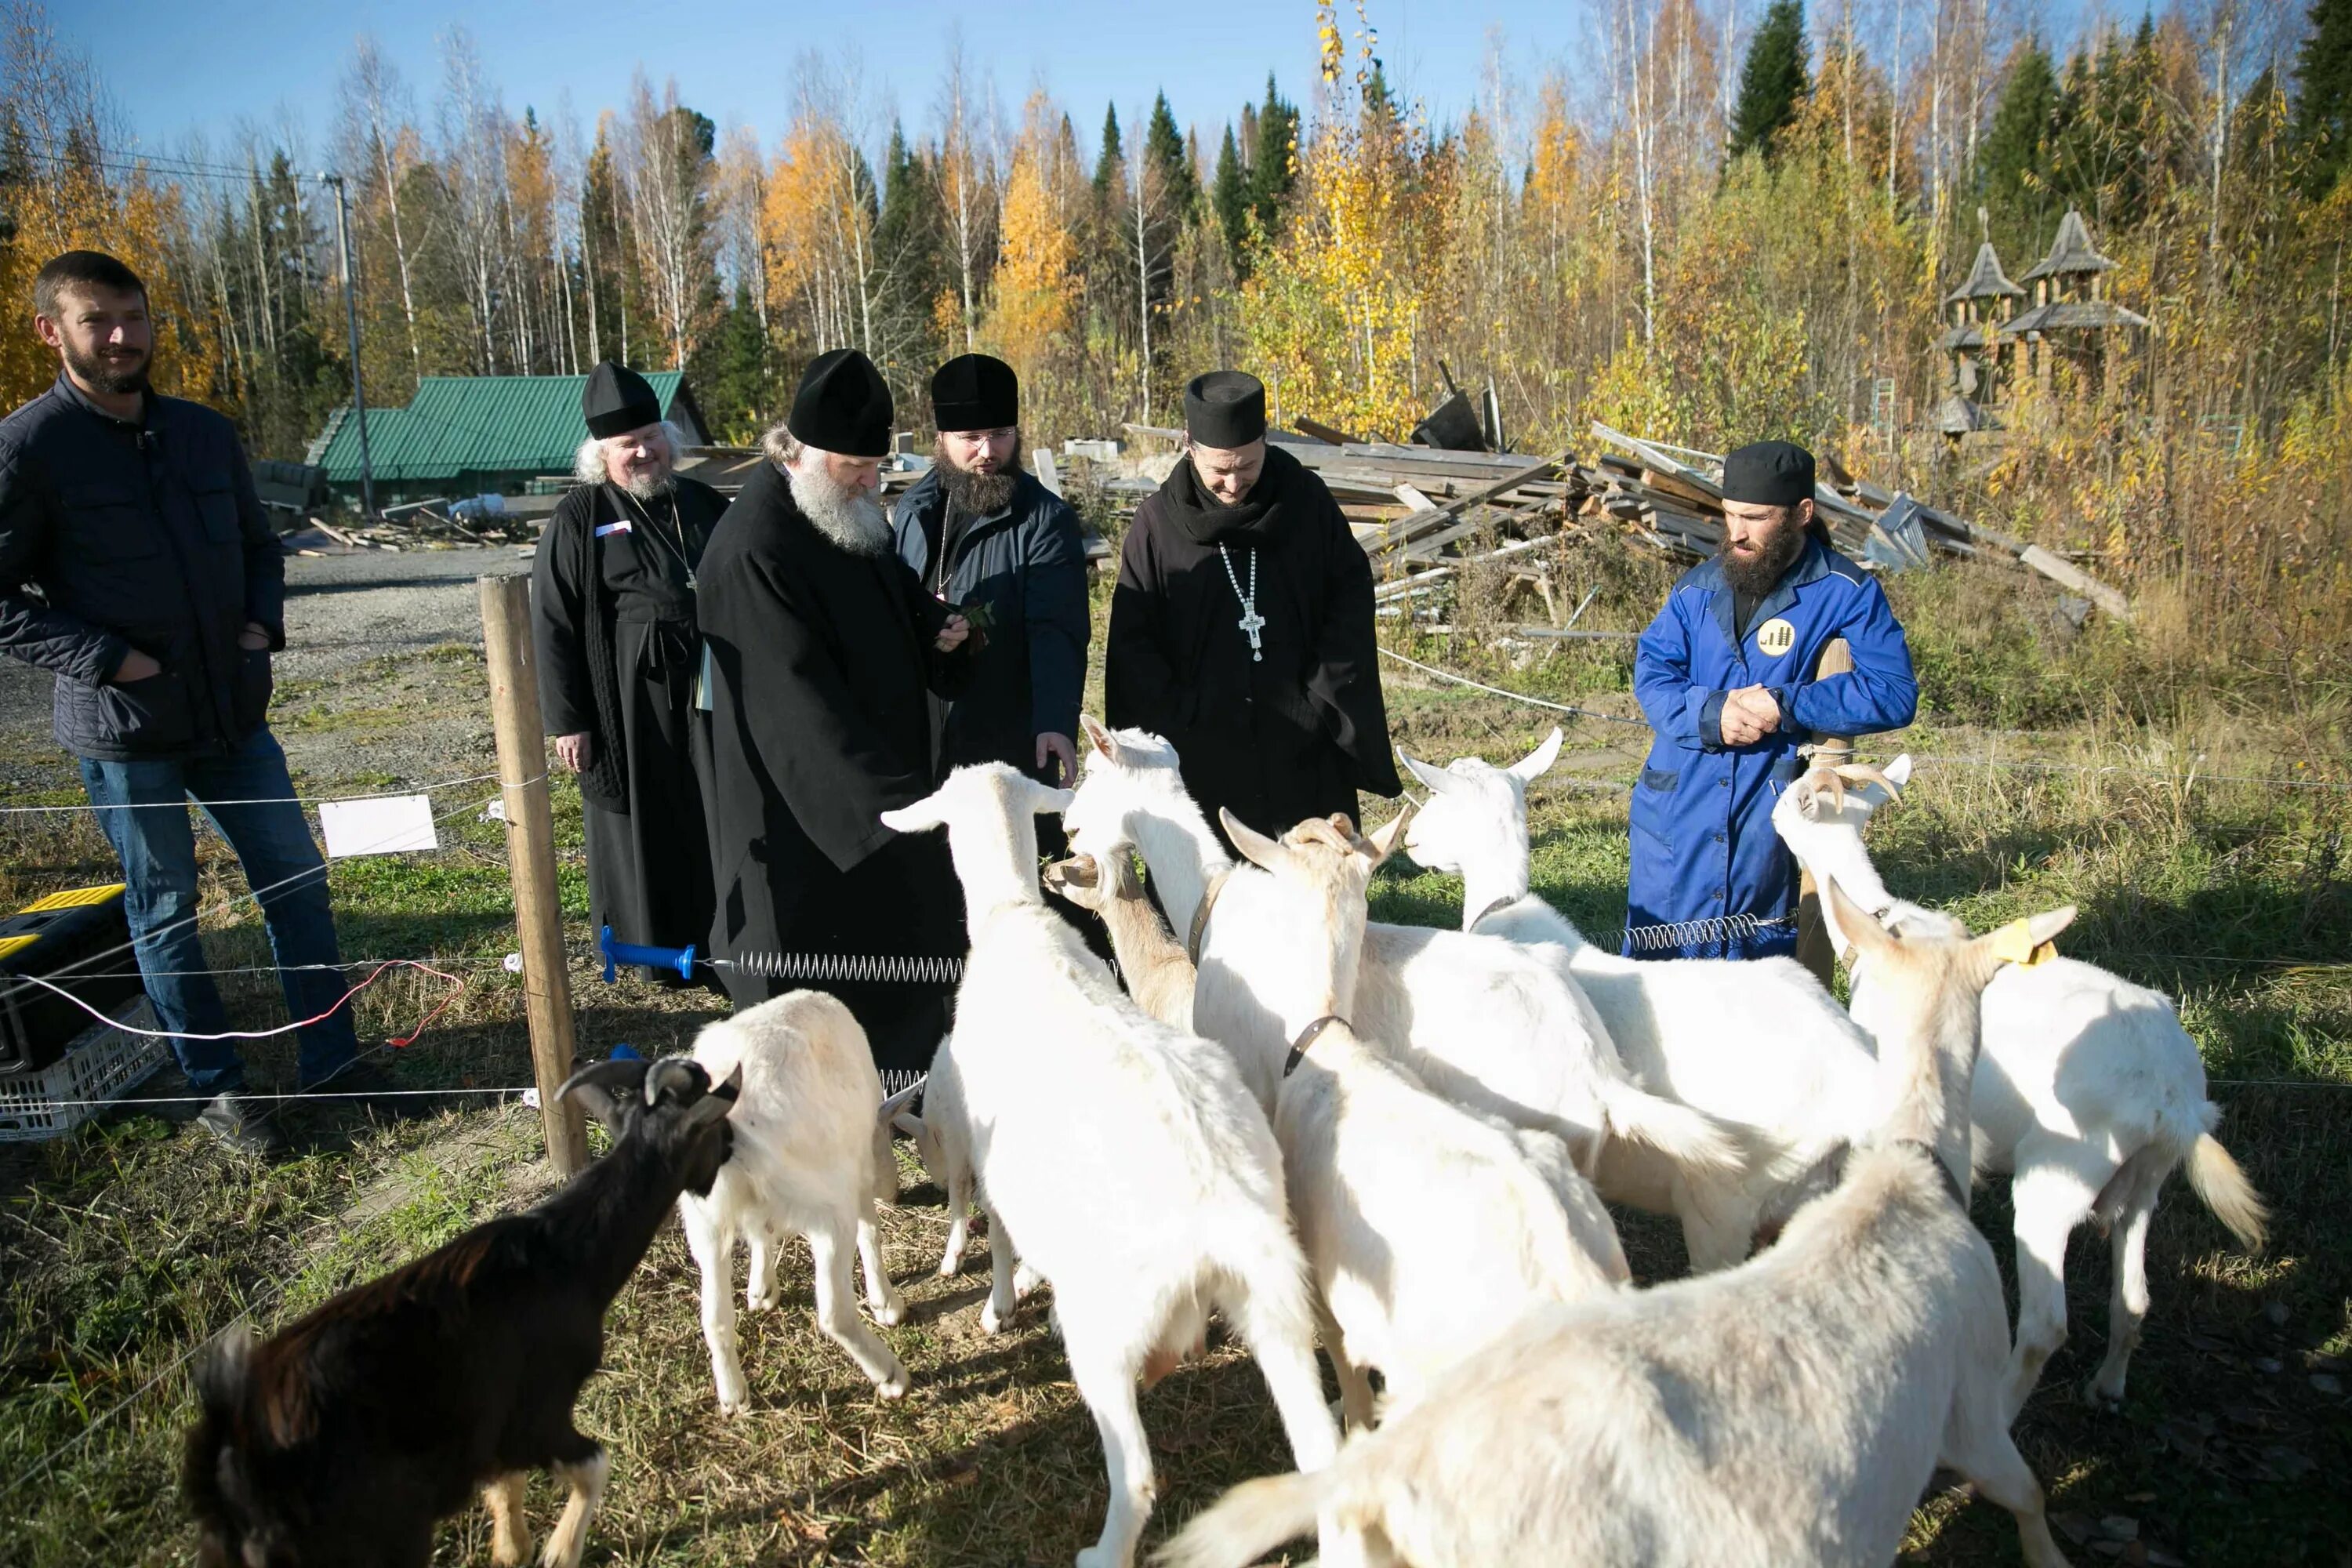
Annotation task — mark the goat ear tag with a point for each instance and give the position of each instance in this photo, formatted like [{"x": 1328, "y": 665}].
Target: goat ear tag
[
  {"x": 1775, "y": 636},
  {"x": 2015, "y": 943}
]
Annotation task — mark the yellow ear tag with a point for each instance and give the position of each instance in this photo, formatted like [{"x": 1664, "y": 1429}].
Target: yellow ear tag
[{"x": 2015, "y": 943}]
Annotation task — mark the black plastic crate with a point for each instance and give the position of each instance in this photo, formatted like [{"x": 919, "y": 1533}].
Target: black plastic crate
[{"x": 50, "y": 938}]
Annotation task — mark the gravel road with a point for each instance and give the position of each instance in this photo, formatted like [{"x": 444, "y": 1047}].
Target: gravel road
[{"x": 358, "y": 694}]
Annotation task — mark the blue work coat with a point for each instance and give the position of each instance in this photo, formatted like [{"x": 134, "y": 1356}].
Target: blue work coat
[{"x": 1705, "y": 860}]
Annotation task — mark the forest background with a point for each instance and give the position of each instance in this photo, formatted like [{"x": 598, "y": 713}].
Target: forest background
[{"x": 1716, "y": 225}]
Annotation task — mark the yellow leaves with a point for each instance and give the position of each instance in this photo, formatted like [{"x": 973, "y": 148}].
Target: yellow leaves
[{"x": 1036, "y": 285}]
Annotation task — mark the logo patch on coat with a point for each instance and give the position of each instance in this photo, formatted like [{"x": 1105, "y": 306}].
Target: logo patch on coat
[{"x": 1775, "y": 636}]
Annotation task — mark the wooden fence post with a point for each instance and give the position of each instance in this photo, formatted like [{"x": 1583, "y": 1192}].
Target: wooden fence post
[
  {"x": 1814, "y": 949},
  {"x": 531, "y": 859}
]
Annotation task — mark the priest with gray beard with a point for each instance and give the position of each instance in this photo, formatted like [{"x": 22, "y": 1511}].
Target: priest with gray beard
[
  {"x": 612, "y": 589},
  {"x": 824, "y": 652}
]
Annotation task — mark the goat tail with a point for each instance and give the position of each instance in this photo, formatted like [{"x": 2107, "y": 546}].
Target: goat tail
[
  {"x": 1691, "y": 1139},
  {"x": 2222, "y": 1184},
  {"x": 1247, "y": 1522}
]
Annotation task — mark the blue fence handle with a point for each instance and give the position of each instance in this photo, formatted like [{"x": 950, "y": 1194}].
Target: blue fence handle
[{"x": 619, "y": 952}]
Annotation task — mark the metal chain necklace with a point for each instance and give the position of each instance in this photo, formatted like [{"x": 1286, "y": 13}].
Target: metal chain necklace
[
  {"x": 653, "y": 526},
  {"x": 1251, "y": 622}
]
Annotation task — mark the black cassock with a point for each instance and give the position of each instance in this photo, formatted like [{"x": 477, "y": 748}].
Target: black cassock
[
  {"x": 1277, "y": 739},
  {"x": 612, "y": 608},
  {"x": 822, "y": 670}
]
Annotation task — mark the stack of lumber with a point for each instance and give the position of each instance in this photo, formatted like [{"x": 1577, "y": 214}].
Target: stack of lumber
[{"x": 1421, "y": 513}]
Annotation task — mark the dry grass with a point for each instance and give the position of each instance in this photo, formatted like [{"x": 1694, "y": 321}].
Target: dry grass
[{"x": 125, "y": 1246}]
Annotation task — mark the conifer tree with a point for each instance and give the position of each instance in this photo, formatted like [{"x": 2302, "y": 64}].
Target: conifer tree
[
  {"x": 1270, "y": 175},
  {"x": 2323, "y": 109},
  {"x": 1163, "y": 146},
  {"x": 2014, "y": 163},
  {"x": 1773, "y": 79},
  {"x": 1229, "y": 197},
  {"x": 1109, "y": 171}
]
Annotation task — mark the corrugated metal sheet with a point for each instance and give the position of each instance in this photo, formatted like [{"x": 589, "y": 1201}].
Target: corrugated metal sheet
[{"x": 474, "y": 424}]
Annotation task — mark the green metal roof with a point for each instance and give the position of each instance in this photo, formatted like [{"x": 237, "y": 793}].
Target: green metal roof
[{"x": 464, "y": 425}]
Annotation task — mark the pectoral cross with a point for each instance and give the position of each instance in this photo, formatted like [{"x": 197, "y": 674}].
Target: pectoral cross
[{"x": 1251, "y": 624}]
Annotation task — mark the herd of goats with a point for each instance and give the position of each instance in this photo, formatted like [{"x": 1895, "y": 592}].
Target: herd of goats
[{"x": 1395, "y": 1142}]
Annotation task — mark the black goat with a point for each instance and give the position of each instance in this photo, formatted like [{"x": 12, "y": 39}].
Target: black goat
[{"x": 346, "y": 1437}]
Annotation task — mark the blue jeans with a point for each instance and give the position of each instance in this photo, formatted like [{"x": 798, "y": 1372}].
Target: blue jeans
[{"x": 158, "y": 849}]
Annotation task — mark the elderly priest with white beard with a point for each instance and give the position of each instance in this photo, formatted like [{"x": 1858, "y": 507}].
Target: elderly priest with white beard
[
  {"x": 613, "y": 611},
  {"x": 824, "y": 653}
]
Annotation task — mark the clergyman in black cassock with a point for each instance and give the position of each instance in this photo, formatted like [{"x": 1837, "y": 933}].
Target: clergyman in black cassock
[
  {"x": 1243, "y": 632},
  {"x": 823, "y": 655},
  {"x": 612, "y": 610}
]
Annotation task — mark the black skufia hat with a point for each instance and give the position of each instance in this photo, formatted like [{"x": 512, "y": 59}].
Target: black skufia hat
[
  {"x": 842, "y": 406},
  {"x": 619, "y": 400},
  {"x": 1769, "y": 473},
  {"x": 1224, "y": 408},
  {"x": 975, "y": 392}
]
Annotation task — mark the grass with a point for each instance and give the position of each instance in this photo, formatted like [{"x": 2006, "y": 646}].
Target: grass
[{"x": 126, "y": 1244}]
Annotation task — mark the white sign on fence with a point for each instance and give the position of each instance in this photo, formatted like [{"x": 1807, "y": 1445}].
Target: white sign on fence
[{"x": 389, "y": 826}]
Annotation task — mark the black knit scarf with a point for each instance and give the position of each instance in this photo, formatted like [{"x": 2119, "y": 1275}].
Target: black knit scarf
[
  {"x": 605, "y": 780},
  {"x": 1205, "y": 520}
]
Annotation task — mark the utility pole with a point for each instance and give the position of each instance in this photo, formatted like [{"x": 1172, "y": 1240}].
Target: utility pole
[{"x": 351, "y": 315}]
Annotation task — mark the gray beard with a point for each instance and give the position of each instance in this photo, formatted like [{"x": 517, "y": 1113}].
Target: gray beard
[
  {"x": 855, "y": 523},
  {"x": 648, "y": 486}
]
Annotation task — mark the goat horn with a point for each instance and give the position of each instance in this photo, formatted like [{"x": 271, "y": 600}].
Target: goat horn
[
  {"x": 1870, "y": 773},
  {"x": 1827, "y": 779}
]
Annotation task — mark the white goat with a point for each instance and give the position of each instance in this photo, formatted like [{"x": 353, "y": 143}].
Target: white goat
[
  {"x": 812, "y": 1154},
  {"x": 1795, "y": 1076},
  {"x": 1430, "y": 1229},
  {"x": 1482, "y": 1021},
  {"x": 2089, "y": 1092},
  {"x": 1788, "y": 1411},
  {"x": 1139, "y": 1177}
]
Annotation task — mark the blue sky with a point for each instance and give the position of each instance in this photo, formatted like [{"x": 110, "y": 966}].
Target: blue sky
[{"x": 174, "y": 69}]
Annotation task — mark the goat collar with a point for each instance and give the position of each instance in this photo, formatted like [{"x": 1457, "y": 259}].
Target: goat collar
[
  {"x": 1200, "y": 915},
  {"x": 1935, "y": 1161},
  {"x": 1845, "y": 954},
  {"x": 1497, "y": 907},
  {"x": 1307, "y": 1037}
]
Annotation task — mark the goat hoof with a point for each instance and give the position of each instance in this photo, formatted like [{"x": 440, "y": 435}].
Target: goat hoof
[
  {"x": 1024, "y": 1279},
  {"x": 767, "y": 1302},
  {"x": 2101, "y": 1399},
  {"x": 893, "y": 1386},
  {"x": 990, "y": 1323}
]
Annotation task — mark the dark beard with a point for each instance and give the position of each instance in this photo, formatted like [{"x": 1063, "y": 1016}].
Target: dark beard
[
  {"x": 105, "y": 379},
  {"x": 1760, "y": 575},
  {"x": 980, "y": 495}
]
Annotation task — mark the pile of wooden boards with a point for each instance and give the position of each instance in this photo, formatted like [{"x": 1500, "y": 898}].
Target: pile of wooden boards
[{"x": 1422, "y": 513}]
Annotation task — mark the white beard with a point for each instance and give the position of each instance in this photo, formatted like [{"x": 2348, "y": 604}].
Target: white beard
[{"x": 851, "y": 519}]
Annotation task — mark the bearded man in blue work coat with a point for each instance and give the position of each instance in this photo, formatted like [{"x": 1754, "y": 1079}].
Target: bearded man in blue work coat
[{"x": 1725, "y": 676}]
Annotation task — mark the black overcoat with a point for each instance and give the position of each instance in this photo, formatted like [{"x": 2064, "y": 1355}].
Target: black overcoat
[
  {"x": 648, "y": 848},
  {"x": 1277, "y": 740},
  {"x": 821, "y": 665}
]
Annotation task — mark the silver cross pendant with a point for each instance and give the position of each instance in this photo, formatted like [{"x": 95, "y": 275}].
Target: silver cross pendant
[{"x": 1249, "y": 623}]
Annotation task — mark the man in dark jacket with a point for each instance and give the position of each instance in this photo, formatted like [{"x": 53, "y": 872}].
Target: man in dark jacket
[
  {"x": 161, "y": 601},
  {"x": 982, "y": 532},
  {"x": 1724, "y": 675},
  {"x": 612, "y": 603},
  {"x": 1241, "y": 626},
  {"x": 824, "y": 652}
]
